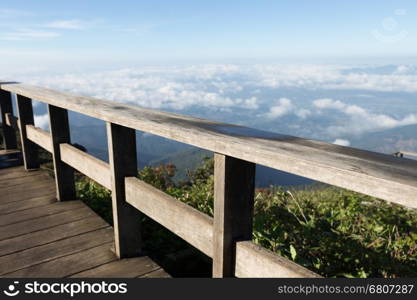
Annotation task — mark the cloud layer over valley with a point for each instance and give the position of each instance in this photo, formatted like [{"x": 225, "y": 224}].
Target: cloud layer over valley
[{"x": 328, "y": 102}]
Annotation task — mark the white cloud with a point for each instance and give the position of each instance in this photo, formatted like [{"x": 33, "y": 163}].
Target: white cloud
[
  {"x": 175, "y": 88},
  {"x": 328, "y": 104},
  {"x": 65, "y": 24},
  {"x": 302, "y": 113},
  {"x": 42, "y": 121},
  {"x": 284, "y": 107},
  {"x": 361, "y": 120},
  {"x": 341, "y": 142},
  {"x": 332, "y": 77},
  {"x": 228, "y": 87},
  {"x": 22, "y": 35},
  {"x": 12, "y": 13}
]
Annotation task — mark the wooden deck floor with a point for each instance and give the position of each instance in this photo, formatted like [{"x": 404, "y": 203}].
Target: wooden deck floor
[{"x": 40, "y": 237}]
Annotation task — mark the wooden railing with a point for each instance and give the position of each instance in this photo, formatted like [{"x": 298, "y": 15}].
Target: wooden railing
[{"x": 226, "y": 237}]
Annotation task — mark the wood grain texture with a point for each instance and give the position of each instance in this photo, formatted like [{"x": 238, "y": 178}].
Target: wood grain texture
[
  {"x": 40, "y": 137},
  {"x": 124, "y": 268},
  {"x": 26, "y": 204},
  {"x": 6, "y": 107},
  {"x": 60, "y": 133},
  {"x": 26, "y": 180},
  {"x": 188, "y": 223},
  {"x": 49, "y": 235},
  {"x": 371, "y": 173},
  {"x": 61, "y": 248},
  {"x": 253, "y": 261},
  {"x": 68, "y": 265},
  {"x": 44, "y": 222},
  {"x": 234, "y": 187},
  {"x": 37, "y": 212},
  {"x": 90, "y": 166},
  {"x": 40, "y": 238},
  {"x": 160, "y": 273},
  {"x": 29, "y": 149},
  {"x": 123, "y": 163},
  {"x": 15, "y": 172}
]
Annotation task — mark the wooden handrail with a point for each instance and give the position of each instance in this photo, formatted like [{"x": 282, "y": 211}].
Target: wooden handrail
[
  {"x": 375, "y": 174},
  {"x": 227, "y": 236}
]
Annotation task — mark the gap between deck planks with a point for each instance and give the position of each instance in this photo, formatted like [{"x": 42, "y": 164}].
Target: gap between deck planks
[{"x": 40, "y": 237}]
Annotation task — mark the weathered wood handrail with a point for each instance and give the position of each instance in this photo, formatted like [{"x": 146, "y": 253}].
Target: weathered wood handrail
[
  {"x": 226, "y": 237},
  {"x": 374, "y": 174}
]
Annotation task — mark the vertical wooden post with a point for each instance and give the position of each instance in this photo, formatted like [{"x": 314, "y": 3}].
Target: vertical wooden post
[
  {"x": 123, "y": 163},
  {"x": 9, "y": 134},
  {"x": 60, "y": 133},
  {"x": 29, "y": 149},
  {"x": 234, "y": 184}
]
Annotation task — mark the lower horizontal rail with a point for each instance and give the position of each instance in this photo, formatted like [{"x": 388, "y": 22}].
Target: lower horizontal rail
[
  {"x": 255, "y": 261},
  {"x": 39, "y": 136},
  {"x": 188, "y": 223},
  {"x": 90, "y": 166}
]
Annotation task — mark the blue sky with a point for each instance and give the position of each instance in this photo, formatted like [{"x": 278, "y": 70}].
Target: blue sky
[{"x": 90, "y": 33}]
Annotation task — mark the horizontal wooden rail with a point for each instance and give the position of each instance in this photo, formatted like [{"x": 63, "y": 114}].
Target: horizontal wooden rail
[
  {"x": 90, "y": 166},
  {"x": 255, "y": 261},
  {"x": 188, "y": 223},
  {"x": 39, "y": 136},
  {"x": 375, "y": 174}
]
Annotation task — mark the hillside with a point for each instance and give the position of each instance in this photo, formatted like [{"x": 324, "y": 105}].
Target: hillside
[{"x": 389, "y": 141}]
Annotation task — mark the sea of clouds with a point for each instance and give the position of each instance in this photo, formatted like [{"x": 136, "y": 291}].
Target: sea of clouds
[{"x": 259, "y": 93}]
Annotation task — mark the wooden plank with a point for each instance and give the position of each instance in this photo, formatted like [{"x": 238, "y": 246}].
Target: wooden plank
[
  {"x": 23, "y": 180},
  {"x": 124, "y": 268},
  {"x": 40, "y": 137},
  {"x": 29, "y": 149},
  {"x": 42, "y": 189},
  {"x": 188, "y": 223},
  {"x": 26, "y": 204},
  {"x": 49, "y": 235},
  {"x": 40, "y": 211},
  {"x": 6, "y": 107},
  {"x": 48, "y": 252},
  {"x": 254, "y": 261},
  {"x": 18, "y": 193},
  {"x": 123, "y": 163},
  {"x": 14, "y": 175},
  {"x": 16, "y": 172},
  {"x": 90, "y": 166},
  {"x": 160, "y": 273},
  {"x": 45, "y": 222},
  {"x": 375, "y": 174},
  {"x": 60, "y": 133},
  {"x": 234, "y": 187},
  {"x": 68, "y": 265}
]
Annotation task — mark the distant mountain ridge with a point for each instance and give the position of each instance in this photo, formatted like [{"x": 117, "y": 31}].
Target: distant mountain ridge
[{"x": 389, "y": 141}]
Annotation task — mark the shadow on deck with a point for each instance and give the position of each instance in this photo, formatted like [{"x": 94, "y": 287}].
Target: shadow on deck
[{"x": 40, "y": 237}]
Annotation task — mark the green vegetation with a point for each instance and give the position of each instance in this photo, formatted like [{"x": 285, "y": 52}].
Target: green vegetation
[{"x": 332, "y": 231}]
